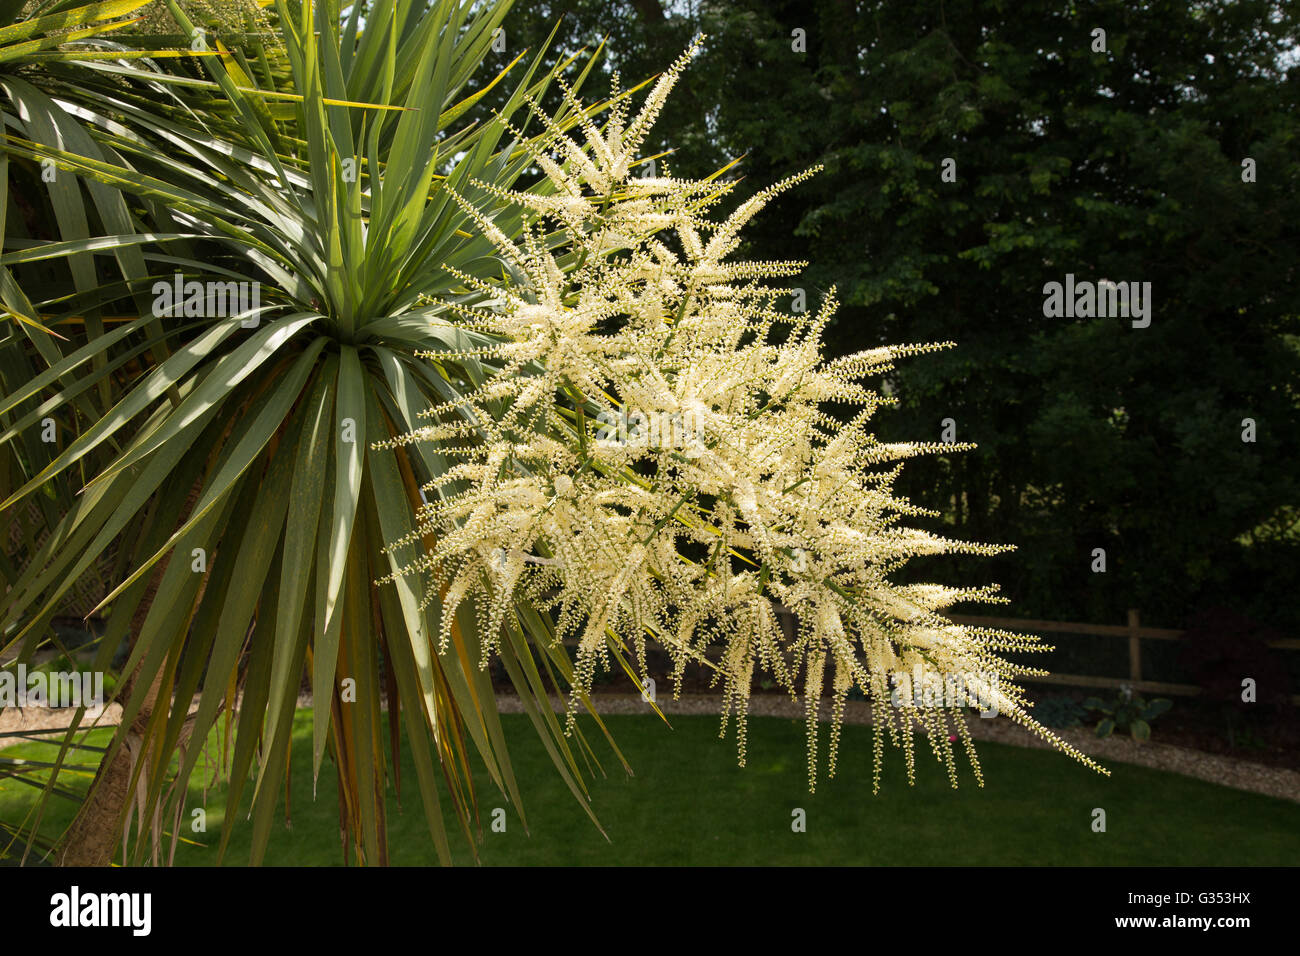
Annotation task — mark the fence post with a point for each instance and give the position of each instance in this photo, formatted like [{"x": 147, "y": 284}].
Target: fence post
[{"x": 1134, "y": 646}]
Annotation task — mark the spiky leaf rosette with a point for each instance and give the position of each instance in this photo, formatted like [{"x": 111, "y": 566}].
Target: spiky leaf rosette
[{"x": 655, "y": 458}]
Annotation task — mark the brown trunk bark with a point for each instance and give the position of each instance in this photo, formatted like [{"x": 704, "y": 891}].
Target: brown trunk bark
[{"x": 96, "y": 831}]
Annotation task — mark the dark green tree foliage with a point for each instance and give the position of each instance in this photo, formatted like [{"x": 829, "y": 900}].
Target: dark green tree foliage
[{"x": 1124, "y": 165}]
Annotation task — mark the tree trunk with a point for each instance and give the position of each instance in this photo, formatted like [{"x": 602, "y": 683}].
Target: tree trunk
[{"x": 96, "y": 831}]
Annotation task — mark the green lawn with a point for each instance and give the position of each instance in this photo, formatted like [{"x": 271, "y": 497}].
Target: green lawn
[{"x": 690, "y": 804}]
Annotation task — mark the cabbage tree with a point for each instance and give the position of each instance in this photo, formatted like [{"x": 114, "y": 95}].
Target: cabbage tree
[{"x": 220, "y": 446}]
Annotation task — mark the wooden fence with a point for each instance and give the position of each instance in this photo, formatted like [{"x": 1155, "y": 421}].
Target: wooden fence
[{"x": 1133, "y": 632}]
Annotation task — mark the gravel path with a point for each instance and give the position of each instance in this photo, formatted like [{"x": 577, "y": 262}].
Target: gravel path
[{"x": 38, "y": 720}]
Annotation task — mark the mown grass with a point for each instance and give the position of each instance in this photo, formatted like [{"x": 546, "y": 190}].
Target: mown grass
[{"x": 689, "y": 803}]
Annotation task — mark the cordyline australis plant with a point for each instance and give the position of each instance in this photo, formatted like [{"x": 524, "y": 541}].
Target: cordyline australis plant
[
  {"x": 690, "y": 477},
  {"x": 218, "y": 471}
]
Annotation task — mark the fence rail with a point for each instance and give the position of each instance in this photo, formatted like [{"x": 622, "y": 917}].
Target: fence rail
[{"x": 1133, "y": 631}]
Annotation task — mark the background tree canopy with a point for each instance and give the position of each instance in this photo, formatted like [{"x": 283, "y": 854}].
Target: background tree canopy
[{"x": 1124, "y": 165}]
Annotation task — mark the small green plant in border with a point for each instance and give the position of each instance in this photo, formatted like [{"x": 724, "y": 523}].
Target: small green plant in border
[{"x": 1128, "y": 711}]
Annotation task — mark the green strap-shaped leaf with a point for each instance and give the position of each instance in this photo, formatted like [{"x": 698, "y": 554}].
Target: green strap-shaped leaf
[
  {"x": 245, "y": 451},
  {"x": 150, "y": 390},
  {"x": 70, "y": 18},
  {"x": 305, "y": 497},
  {"x": 349, "y": 433},
  {"x": 218, "y": 384},
  {"x": 249, "y": 557}
]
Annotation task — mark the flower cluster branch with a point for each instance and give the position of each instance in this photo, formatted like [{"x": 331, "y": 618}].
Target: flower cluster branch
[{"x": 655, "y": 458}]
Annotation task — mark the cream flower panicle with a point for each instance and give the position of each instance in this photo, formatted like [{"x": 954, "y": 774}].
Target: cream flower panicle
[{"x": 654, "y": 458}]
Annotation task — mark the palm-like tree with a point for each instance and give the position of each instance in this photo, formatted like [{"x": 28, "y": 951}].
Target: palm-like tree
[{"x": 226, "y": 464}]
